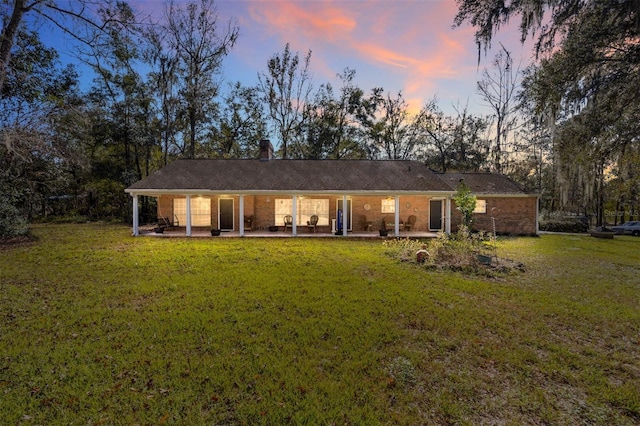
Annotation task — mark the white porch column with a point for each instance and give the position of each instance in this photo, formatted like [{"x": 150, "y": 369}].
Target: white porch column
[
  {"x": 344, "y": 216},
  {"x": 241, "y": 213},
  {"x": 397, "y": 217},
  {"x": 294, "y": 213},
  {"x": 188, "y": 215},
  {"x": 447, "y": 217},
  {"x": 136, "y": 218}
]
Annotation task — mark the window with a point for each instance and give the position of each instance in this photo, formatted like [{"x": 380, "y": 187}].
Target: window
[
  {"x": 306, "y": 208},
  {"x": 388, "y": 205},
  {"x": 481, "y": 206},
  {"x": 200, "y": 211}
]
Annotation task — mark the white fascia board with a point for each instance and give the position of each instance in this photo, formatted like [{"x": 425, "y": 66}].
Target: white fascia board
[
  {"x": 158, "y": 192},
  {"x": 379, "y": 193},
  {"x": 506, "y": 195}
]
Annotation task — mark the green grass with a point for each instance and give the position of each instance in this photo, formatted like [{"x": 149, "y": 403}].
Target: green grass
[{"x": 97, "y": 327}]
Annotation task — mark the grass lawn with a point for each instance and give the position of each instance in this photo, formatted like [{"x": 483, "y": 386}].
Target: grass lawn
[{"x": 98, "y": 327}]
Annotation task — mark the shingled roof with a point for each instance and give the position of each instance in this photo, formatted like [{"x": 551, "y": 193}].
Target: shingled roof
[
  {"x": 483, "y": 183},
  {"x": 314, "y": 176},
  {"x": 304, "y": 176}
]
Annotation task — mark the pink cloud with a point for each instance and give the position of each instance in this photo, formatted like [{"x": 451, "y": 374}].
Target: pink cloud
[
  {"x": 302, "y": 20},
  {"x": 400, "y": 45}
]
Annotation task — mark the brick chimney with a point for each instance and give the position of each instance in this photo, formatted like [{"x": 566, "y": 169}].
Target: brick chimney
[{"x": 266, "y": 150}]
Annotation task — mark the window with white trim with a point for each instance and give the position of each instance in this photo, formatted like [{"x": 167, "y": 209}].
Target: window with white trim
[
  {"x": 200, "y": 211},
  {"x": 481, "y": 206},
  {"x": 306, "y": 208},
  {"x": 388, "y": 205}
]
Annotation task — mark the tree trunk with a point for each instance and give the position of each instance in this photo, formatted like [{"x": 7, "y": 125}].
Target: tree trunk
[{"x": 7, "y": 39}]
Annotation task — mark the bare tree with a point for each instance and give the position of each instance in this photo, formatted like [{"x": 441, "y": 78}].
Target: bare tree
[
  {"x": 499, "y": 89},
  {"x": 286, "y": 87}
]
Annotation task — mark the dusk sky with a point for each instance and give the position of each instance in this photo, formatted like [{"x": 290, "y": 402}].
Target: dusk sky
[{"x": 406, "y": 45}]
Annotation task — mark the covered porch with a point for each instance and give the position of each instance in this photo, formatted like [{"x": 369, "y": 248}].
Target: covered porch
[{"x": 262, "y": 215}]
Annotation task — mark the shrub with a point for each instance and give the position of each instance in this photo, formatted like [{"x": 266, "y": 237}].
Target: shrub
[
  {"x": 460, "y": 252},
  {"x": 12, "y": 223},
  {"x": 563, "y": 225},
  {"x": 465, "y": 203}
]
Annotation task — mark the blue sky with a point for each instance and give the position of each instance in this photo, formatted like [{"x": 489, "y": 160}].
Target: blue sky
[{"x": 406, "y": 45}]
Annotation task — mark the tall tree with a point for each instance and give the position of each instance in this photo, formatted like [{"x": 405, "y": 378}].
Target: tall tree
[
  {"x": 451, "y": 142},
  {"x": 389, "y": 126},
  {"x": 115, "y": 57},
  {"x": 286, "y": 86},
  {"x": 57, "y": 13},
  {"x": 241, "y": 124},
  {"x": 123, "y": 140},
  {"x": 201, "y": 44},
  {"x": 332, "y": 125},
  {"x": 163, "y": 80},
  {"x": 498, "y": 88},
  {"x": 585, "y": 84},
  {"x": 534, "y": 170},
  {"x": 34, "y": 163}
]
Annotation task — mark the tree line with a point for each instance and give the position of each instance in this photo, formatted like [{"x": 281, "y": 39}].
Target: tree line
[{"x": 565, "y": 127}]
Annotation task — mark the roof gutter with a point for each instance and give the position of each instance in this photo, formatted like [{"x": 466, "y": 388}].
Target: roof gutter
[{"x": 158, "y": 192}]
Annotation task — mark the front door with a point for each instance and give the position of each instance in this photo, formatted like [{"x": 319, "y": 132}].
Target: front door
[
  {"x": 435, "y": 215},
  {"x": 225, "y": 214}
]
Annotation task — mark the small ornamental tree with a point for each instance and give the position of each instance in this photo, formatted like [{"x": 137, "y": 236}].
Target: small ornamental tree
[{"x": 466, "y": 203}]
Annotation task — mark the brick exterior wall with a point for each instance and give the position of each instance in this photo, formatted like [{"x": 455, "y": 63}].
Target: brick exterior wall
[
  {"x": 165, "y": 207},
  {"x": 514, "y": 215}
]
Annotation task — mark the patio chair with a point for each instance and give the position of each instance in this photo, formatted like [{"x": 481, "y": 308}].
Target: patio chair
[
  {"x": 312, "y": 223},
  {"x": 288, "y": 222},
  {"x": 164, "y": 222},
  {"x": 410, "y": 223},
  {"x": 366, "y": 224}
]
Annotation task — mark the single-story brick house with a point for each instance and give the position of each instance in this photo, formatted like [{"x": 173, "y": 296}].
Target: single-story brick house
[{"x": 243, "y": 195}]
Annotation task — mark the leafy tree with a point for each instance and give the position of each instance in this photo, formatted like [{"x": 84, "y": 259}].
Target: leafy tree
[
  {"x": 121, "y": 93},
  {"x": 465, "y": 203},
  {"x": 57, "y": 13},
  {"x": 584, "y": 87},
  {"x": 123, "y": 144},
  {"x": 200, "y": 45},
  {"x": 388, "y": 126},
  {"x": 451, "y": 142},
  {"x": 163, "y": 80},
  {"x": 332, "y": 125},
  {"x": 34, "y": 162},
  {"x": 285, "y": 87},
  {"x": 241, "y": 124}
]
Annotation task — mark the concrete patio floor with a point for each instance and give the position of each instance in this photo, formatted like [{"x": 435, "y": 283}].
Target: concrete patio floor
[{"x": 303, "y": 233}]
